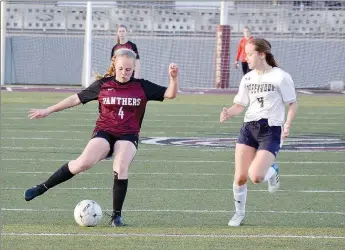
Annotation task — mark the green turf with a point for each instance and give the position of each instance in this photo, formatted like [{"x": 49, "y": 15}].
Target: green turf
[{"x": 173, "y": 191}]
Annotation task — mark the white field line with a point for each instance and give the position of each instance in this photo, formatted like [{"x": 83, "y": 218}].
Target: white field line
[
  {"x": 231, "y": 236},
  {"x": 42, "y": 138},
  {"x": 170, "y": 174},
  {"x": 306, "y": 140},
  {"x": 220, "y": 149},
  {"x": 71, "y": 148},
  {"x": 182, "y": 147},
  {"x": 216, "y": 122},
  {"x": 186, "y": 189},
  {"x": 41, "y": 131},
  {"x": 212, "y": 113},
  {"x": 305, "y": 92},
  {"x": 176, "y": 211},
  {"x": 153, "y": 120},
  {"x": 177, "y": 161},
  {"x": 95, "y": 114},
  {"x": 143, "y": 134},
  {"x": 92, "y": 125},
  {"x": 300, "y": 150}
]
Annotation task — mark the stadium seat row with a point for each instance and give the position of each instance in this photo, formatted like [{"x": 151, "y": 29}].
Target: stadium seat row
[{"x": 282, "y": 20}]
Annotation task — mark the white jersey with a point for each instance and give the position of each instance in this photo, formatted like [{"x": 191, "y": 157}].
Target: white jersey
[{"x": 266, "y": 95}]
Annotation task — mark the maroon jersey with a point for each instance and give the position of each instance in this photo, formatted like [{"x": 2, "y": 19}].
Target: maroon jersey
[
  {"x": 127, "y": 45},
  {"x": 121, "y": 105}
]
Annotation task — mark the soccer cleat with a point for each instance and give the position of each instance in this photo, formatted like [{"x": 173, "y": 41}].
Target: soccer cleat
[
  {"x": 116, "y": 221},
  {"x": 236, "y": 220},
  {"x": 35, "y": 191},
  {"x": 274, "y": 182}
]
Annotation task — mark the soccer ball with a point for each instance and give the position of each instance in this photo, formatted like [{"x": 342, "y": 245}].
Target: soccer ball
[{"x": 87, "y": 213}]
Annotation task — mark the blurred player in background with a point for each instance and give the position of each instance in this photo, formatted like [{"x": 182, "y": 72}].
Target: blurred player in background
[
  {"x": 265, "y": 91},
  {"x": 123, "y": 42},
  {"x": 122, "y": 103},
  {"x": 241, "y": 55}
]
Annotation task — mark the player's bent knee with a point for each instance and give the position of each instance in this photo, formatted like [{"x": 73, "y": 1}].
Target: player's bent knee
[
  {"x": 78, "y": 166},
  {"x": 255, "y": 178},
  {"x": 122, "y": 172}
]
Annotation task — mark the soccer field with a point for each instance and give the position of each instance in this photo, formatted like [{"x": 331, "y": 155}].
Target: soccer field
[{"x": 180, "y": 183}]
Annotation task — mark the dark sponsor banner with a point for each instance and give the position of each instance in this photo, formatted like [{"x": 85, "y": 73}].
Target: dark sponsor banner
[{"x": 297, "y": 143}]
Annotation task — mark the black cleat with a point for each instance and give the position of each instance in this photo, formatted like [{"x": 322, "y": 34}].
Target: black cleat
[
  {"x": 31, "y": 193},
  {"x": 116, "y": 221}
]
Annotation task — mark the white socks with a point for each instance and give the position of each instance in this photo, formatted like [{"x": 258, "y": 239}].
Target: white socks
[
  {"x": 240, "y": 197},
  {"x": 271, "y": 171}
]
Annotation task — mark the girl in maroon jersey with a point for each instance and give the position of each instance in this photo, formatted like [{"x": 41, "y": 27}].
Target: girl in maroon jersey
[
  {"x": 122, "y": 103},
  {"x": 123, "y": 42}
]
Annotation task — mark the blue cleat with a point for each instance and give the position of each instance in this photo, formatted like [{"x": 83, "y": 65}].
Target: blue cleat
[
  {"x": 116, "y": 221},
  {"x": 35, "y": 191}
]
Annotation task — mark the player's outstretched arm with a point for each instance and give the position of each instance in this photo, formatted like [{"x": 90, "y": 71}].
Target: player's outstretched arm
[
  {"x": 69, "y": 102},
  {"x": 234, "y": 110},
  {"x": 171, "y": 91}
]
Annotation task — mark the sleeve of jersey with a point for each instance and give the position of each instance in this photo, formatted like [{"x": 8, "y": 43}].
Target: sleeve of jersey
[
  {"x": 135, "y": 49},
  {"x": 91, "y": 93},
  {"x": 242, "y": 97},
  {"x": 287, "y": 89},
  {"x": 153, "y": 91}
]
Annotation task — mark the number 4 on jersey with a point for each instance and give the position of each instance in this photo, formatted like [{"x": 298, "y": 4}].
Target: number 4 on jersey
[
  {"x": 121, "y": 114},
  {"x": 261, "y": 101}
]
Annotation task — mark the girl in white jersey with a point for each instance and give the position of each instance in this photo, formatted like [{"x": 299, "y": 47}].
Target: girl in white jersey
[{"x": 264, "y": 91}]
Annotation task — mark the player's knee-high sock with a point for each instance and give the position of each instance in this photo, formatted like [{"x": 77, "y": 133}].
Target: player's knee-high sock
[
  {"x": 240, "y": 197},
  {"x": 61, "y": 175},
  {"x": 119, "y": 194}
]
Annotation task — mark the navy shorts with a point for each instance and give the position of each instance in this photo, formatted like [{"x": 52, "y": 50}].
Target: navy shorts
[
  {"x": 259, "y": 135},
  {"x": 112, "y": 139}
]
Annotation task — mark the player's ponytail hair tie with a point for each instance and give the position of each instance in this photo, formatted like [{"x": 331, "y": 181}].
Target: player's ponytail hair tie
[{"x": 264, "y": 46}]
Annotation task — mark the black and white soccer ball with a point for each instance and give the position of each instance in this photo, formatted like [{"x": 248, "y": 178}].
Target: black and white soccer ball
[{"x": 87, "y": 213}]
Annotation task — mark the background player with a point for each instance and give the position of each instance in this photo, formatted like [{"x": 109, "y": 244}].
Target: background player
[
  {"x": 265, "y": 91},
  {"x": 122, "y": 103},
  {"x": 123, "y": 42},
  {"x": 241, "y": 55}
]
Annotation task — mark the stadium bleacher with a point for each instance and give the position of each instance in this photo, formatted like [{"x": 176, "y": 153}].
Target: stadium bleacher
[{"x": 276, "y": 19}]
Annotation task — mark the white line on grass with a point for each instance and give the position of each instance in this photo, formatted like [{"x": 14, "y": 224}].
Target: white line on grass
[
  {"x": 171, "y": 174},
  {"x": 214, "y": 125},
  {"x": 240, "y": 119},
  {"x": 306, "y": 140},
  {"x": 216, "y": 122},
  {"x": 152, "y": 113},
  {"x": 42, "y": 131},
  {"x": 182, "y": 148},
  {"x": 296, "y": 150},
  {"x": 288, "y": 236},
  {"x": 71, "y": 148},
  {"x": 176, "y": 211},
  {"x": 186, "y": 189},
  {"x": 176, "y": 161},
  {"x": 305, "y": 92},
  {"x": 42, "y": 138}
]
